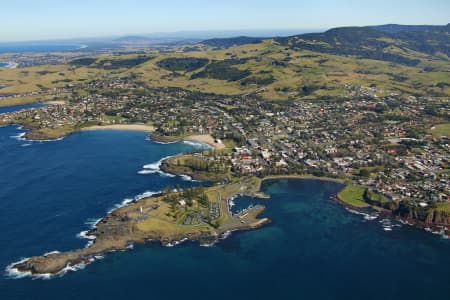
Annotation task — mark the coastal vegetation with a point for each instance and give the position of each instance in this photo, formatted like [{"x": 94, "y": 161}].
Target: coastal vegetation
[
  {"x": 353, "y": 195},
  {"x": 198, "y": 166},
  {"x": 199, "y": 214}
]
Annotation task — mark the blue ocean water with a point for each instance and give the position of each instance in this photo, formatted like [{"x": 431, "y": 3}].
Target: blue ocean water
[
  {"x": 313, "y": 249},
  {"x": 20, "y": 107},
  {"x": 30, "y": 47}
]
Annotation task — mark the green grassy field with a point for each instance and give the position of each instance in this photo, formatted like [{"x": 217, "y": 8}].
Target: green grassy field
[
  {"x": 443, "y": 207},
  {"x": 441, "y": 130},
  {"x": 353, "y": 195}
]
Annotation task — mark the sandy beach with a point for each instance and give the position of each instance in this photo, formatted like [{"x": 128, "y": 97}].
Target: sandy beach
[
  {"x": 206, "y": 139},
  {"x": 131, "y": 127},
  {"x": 56, "y": 102},
  {"x": 9, "y": 64}
]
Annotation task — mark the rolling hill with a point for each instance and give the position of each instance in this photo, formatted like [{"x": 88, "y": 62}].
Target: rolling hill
[{"x": 410, "y": 60}]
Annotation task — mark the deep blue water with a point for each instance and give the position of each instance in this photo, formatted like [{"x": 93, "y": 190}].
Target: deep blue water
[
  {"x": 20, "y": 107},
  {"x": 313, "y": 249},
  {"x": 30, "y": 47}
]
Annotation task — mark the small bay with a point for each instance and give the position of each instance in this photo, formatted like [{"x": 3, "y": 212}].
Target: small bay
[{"x": 313, "y": 249}]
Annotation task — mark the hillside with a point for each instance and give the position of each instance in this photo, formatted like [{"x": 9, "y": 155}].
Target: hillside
[
  {"x": 377, "y": 42},
  {"x": 229, "y": 42},
  {"x": 308, "y": 66},
  {"x": 396, "y": 28}
]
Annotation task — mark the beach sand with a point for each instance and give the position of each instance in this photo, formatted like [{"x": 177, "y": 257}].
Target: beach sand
[
  {"x": 132, "y": 127},
  {"x": 206, "y": 139},
  {"x": 200, "y": 138}
]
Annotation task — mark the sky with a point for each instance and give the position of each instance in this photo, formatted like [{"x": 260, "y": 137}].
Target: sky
[{"x": 23, "y": 20}]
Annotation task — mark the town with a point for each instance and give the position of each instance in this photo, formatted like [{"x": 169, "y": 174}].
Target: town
[{"x": 384, "y": 143}]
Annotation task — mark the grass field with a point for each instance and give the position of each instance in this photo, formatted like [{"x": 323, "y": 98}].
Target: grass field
[
  {"x": 441, "y": 130},
  {"x": 325, "y": 74},
  {"x": 353, "y": 195},
  {"x": 443, "y": 207}
]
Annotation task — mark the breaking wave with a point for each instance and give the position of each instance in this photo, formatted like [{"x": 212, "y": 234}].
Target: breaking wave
[{"x": 155, "y": 168}]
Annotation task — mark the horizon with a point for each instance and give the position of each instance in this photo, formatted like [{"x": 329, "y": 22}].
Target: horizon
[
  {"x": 53, "y": 20},
  {"x": 183, "y": 34},
  {"x": 201, "y": 34}
]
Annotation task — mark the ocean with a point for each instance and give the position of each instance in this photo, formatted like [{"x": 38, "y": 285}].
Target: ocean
[
  {"x": 34, "y": 48},
  {"x": 313, "y": 249}
]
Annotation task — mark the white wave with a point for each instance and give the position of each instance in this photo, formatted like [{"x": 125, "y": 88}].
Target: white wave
[
  {"x": 186, "y": 177},
  {"x": 92, "y": 222},
  {"x": 225, "y": 235},
  {"x": 146, "y": 194},
  {"x": 43, "y": 141},
  {"x": 146, "y": 172},
  {"x": 405, "y": 222},
  {"x": 26, "y": 145},
  {"x": 155, "y": 168},
  {"x": 197, "y": 144},
  {"x": 84, "y": 235},
  {"x": 209, "y": 245},
  {"x": 164, "y": 174},
  {"x": 367, "y": 217},
  {"x": 175, "y": 243},
  {"x": 19, "y": 137},
  {"x": 127, "y": 201},
  {"x": 14, "y": 273},
  {"x": 162, "y": 143},
  {"x": 51, "y": 252}
]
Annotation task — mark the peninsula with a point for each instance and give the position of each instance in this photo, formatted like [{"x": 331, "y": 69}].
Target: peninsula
[{"x": 196, "y": 214}]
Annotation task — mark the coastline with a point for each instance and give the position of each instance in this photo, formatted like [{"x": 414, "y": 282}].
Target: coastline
[
  {"x": 197, "y": 138},
  {"x": 50, "y": 135},
  {"x": 124, "y": 226},
  {"x": 10, "y": 64},
  {"x": 127, "y": 127}
]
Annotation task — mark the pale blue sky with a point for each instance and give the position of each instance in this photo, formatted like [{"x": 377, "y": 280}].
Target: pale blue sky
[{"x": 46, "y": 19}]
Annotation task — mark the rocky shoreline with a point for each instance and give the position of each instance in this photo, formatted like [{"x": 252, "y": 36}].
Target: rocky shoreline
[
  {"x": 120, "y": 228},
  {"x": 432, "y": 224}
]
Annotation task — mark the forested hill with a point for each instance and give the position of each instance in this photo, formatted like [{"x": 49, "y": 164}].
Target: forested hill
[
  {"x": 229, "y": 42},
  {"x": 377, "y": 42},
  {"x": 396, "y": 28},
  {"x": 393, "y": 43}
]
